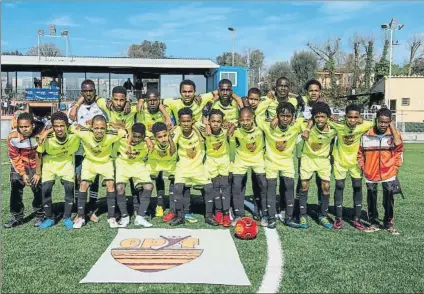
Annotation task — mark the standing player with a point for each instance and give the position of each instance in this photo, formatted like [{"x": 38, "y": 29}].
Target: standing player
[
  {"x": 131, "y": 163},
  {"x": 380, "y": 157},
  {"x": 217, "y": 163},
  {"x": 248, "y": 143},
  {"x": 162, "y": 161},
  {"x": 97, "y": 142},
  {"x": 82, "y": 113},
  {"x": 255, "y": 102},
  {"x": 282, "y": 94},
  {"x": 345, "y": 153},
  {"x": 316, "y": 159},
  {"x": 22, "y": 145},
  {"x": 280, "y": 145},
  {"x": 55, "y": 156},
  {"x": 228, "y": 103},
  {"x": 190, "y": 168}
]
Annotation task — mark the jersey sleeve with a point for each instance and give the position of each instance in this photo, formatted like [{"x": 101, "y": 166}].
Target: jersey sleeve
[
  {"x": 260, "y": 122},
  {"x": 336, "y": 125},
  {"x": 206, "y": 97},
  {"x": 101, "y": 103},
  {"x": 365, "y": 126},
  {"x": 41, "y": 148},
  {"x": 15, "y": 157},
  {"x": 176, "y": 134}
]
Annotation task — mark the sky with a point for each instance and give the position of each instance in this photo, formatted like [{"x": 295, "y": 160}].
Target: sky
[{"x": 199, "y": 29}]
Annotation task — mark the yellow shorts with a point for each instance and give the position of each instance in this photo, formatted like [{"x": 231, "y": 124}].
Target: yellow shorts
[
  {"x": 167, "y": 167},
  {"x": 240, "y": 167},
  {"x": 217, "y": 166},
  {"x": 340, "y": 172},
  {"x": 320, "y": 165},
  {"x": 59, "y": 168},
  {"x": 137, "y": 170},
  {"x": 90, "y": 169},
  {"x": 197, "y": 176},
  {"x": 284, "y": 168}
]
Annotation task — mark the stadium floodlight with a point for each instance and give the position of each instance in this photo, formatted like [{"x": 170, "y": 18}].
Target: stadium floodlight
[
  {"x": 233, "y": 30},
  {"x": 384, "y": 26},
  {"x": 64, "y": 33},
  {"x": 52, "y": 29},
  {"x": 40, "y": 32}
]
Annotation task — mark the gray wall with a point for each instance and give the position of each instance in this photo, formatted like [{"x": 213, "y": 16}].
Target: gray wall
[{"x": 5, "y": 128}]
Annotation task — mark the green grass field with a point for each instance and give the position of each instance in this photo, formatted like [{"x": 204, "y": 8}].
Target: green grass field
[{"x": 316, "y": 260}]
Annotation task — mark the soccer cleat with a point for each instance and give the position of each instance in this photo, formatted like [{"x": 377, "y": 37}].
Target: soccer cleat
[
  {"x": 177, "y": 220},
  {"x": 169, "y": 217},
  {"x": 210, "y": 220},
  {"x": 303, "y": 222},
  {"x": 38, "y": 221},
  {"x": 219, "y": 217},
  {"x": 226, "y": 221},
  {"x": 112, "y": 223},
  {"x": 235, "y": 220},
  {"x": 46, "y": 224},
  {"x": 264, "y": 221},
  {"x": 338, "y": 224},
  {"x": 290, "y": 222},
  {"x": 67, "y": 222},
  {"x": 159, "y": 211},
  {"x": 141, "y": 221},
  {"x": 124, "y": 222},
  {"x": 272, "y": 223},
  {"x": 94, "y": 218},
  {"x": 372, "y": 228},
  {"x": 393, "y": 231},
  {"x": 358, "y": 225},
  {"x": 325, "y": 222},
  {"x": 12, "y": 223},
  {"x": 79, "y": 222},
  {"x": 190, "y": 218}
]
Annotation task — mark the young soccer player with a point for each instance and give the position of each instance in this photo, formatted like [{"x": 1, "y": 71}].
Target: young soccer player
[
  {"x": 22, "y": 145},
  {"x": 131, "y": 163},
  {"x": 217, "y": 163},
  {"x": 345, "y": 152},
  {"x": 380, "y": 156},
  {"x": 254, "y": 101},
  {"x": 281, "y": 94},
  {"x": 54, "y": 160},
  {"x": 316, "y": 159},
  {"x": 162, "y": 161},
  {"x": 97, "y": 143},
  {"x": 248, "y": 143},
  {"x": 280, "y": 146},
  {"x": 190, "y": 168}
]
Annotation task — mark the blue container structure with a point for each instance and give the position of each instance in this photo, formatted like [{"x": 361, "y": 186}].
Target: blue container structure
[{"x": 236, "y": 74}]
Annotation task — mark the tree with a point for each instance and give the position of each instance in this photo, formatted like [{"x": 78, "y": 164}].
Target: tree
[
  {"x": 11, "y": 52},
  {"x": 418, "y": 67},
  {"x": 256, "y": 64},
  {"x": 226, "y": 59},
  {"x": 277, "y": 70},
  {"x": 304, "y": 66},
  {"x": 46, "y": 49},
  {"x": 355, "y": 41},
  {"x": 414, "y": 44},
  {"x": 382, "y": 67},
  {"x": 369, "y": 51},
  {"x": 147, "y": 49}
]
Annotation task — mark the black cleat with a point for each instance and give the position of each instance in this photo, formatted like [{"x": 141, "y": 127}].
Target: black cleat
[
  {"x": 38, "y": 221},
  {"x": 176, "y": 221},
  {"x": 12, "y": 223},
  {"x": 210, "y": 221},
  {"x": 272, "y": 223}
]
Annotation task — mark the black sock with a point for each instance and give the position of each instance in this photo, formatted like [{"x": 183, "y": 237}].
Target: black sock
[
  {"x": 288, "y": 195},
  {"x": 144, "y": 201},
  {"x": 216, "y": 191},
  {"x": 357, "y": 198},
  {"x": 338, "y": 198},
  {"x": 82, "y": 198},
  {"x": 122, "y": 204},
  {"x": 226, "y": 193},
  {"x": 69, "y": 199},
  {"x": 208, "y": 199},
  {"x": 110, "y": 200},
  {"x": 303, "y": 201},
  {"x": 325, "y": 201}
]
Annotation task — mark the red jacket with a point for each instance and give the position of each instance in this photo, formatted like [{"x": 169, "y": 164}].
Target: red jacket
[{"x": 378, "y": 157}]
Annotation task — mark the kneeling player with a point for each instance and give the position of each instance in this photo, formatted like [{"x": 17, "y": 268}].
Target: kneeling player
[
  {"x": 248, "y": 143},
  {"x": 131, "y": 164},
  {"x": 162, "y": 162},
  {"x": 190, "y": 168},
  {"x": 316, "y": 159},
  {"x": 55, "y": 156},
  {"x": 97, "y": 143}
]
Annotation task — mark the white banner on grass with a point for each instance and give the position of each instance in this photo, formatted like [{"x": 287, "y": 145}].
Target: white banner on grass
[{"x": 170, "y": 256}]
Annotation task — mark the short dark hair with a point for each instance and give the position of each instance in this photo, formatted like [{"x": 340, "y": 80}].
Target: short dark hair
[
  {"x": 353, "y": 107},
  {"x": 254, "y": 91},
  {"x": 59, "y": 115},
  {"x": 88, "y": 82},
  {"x": 246, "y": 109},
  {"x": 282, "y": 106},
  {"x": 185, "y": 111},
  {"x": 152, "y": 92},
  {"x": 25, "y": 116},
  {"x": 312, "y": 82},
  {"x": 225, "y": 81},
  {"x": 188, "y": 83},
  {"x": 158, "y": 127},
  {"x": 119, "y": 90},
  {"x": 282, "y": 78},
  {"x": 139, "y": 128},
  {"x": 384, "y": 111},
  {"x": 98, "y": 117},
  {"x": 321, "y": 107},
  {"x": 216, "y": 112}
]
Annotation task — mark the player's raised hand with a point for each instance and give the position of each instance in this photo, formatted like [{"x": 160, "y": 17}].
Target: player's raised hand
[
  {"x": 73, "y": 113},
  {"x": 208, "y": 130},
  {"x": 169, "y": 123},
  {"x": 127, "y": 107},
  {"x": 274, "y": 123},
  {"x": 140, "y": 105},
  {"x": 305, "y": 135},
  {"x": 109, "y": 104},
  {"x": 198, "y": 99}
]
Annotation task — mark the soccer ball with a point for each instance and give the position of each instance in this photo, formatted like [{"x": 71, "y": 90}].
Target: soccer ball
[{"x": 246, "y": 228}]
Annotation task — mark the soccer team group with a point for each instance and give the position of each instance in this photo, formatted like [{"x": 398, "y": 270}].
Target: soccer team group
[{"x": 208, "y": 142}]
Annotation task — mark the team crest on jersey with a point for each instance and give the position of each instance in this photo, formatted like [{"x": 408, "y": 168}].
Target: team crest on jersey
[
  {"x": 191, "y": 152},
  {"x": 217, "y": 145},
  {"x": 132, "y": 154},
  {"x": 316, "y": 146},
  {"x": 348, "y": 140},
  {"x": 251, "y": 146},
  {"x": 280, "y": 145},
  {"x": 162, "y": 153}
]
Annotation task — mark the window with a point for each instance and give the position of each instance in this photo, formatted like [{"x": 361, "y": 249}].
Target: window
[
  {"x": 232, "y": 76},
  {"x": 170, "y": 86},
  {"x": 405, "y": 101}
]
